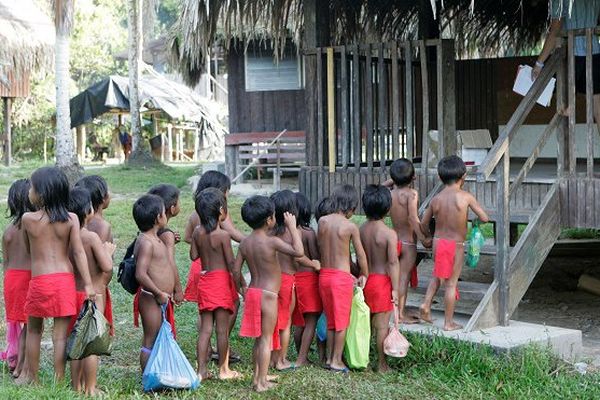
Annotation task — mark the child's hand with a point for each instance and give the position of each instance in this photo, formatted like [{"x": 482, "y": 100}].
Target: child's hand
[
  {"x": 290, "y": 220},
  {"x": 90, "y": 292},
  {"x": 428, "y": 243},
  {"x": 317, "y": 265},
  {"x": 110, "y": 248},
  {"x": 162, "y": 298},
  {"x": 178, "y": 297},
  {"x": 395, "y": 297},
  {"x": 361, "y": 281},
  {"x": 177, "y": 237}
]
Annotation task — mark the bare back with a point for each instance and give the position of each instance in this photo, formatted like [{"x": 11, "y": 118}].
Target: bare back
[
  {"x": 286, "y": 262},
  {"x": 15, "y": 252},
  {"x": 260, "y": 253},
  {"x": 101, "y": 227},
  {"x": 48, "y": 242},
  {"x": 311, "y": 248},
  {"x": 97, "y": 261},
  {"x": 335, "y": 232},
  {"x": 211, "y": 248},
  {"x": 450, "y": 209},
  {"x": 400, "y": 214},
  {"x": 377, "y": 238}
]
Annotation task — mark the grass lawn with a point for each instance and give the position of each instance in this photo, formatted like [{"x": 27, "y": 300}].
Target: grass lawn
[{"x": 438, "y": 368}]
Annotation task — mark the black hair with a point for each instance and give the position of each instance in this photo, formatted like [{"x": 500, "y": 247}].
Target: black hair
[
  {"x": 325, "y": 207},
  {"x": 18, "y": 200},
  {"x": 256, "y": 210},
  {"x": 402, "y": 172},
  {"x": 304, "y": 210},
  {"x": 80, "y": 203},
  {"x": 284, "y": 201},
  {"x": 213, "y": 179},
  {"x": 52, "y": 188},
  {"x": 169, "y": 194},
  {"x": 146, "y": 210},
  {"x": 209, "y": 203},
  {"x": 96, "y": 185},
  {"x": 344, "y": 198},
  {"x": 376, "y": 201},
  {"x": 451, "y": 169}
]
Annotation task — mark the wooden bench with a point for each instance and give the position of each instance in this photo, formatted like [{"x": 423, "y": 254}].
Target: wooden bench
[{"x": 260, "y": 150}]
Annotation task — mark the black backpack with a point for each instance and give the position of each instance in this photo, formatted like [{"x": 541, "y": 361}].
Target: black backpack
[{"x": 126, "y": 273}]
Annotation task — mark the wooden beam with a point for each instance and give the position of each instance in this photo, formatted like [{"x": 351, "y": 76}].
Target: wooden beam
[
  {"x": 369, "y": 107},
  {"x": 408, "y": 100},
  {"x": 345, "y": 113},
  {"x": 561, "y": 105},
  {"x": 331, "y": 110},
  {"x": 446, "y": 99},
  {"x": 7, "y": 111},
  {"x": 425, "y": 100},
  {"x": 356, "y": 108},
  {"x": 396, "y": 109},
  {"x": 381, "y": 109},
  {"x": 572, "y": 104},
  {"x": 320, "y": 122},
  {"x": 502, "y": 268},
  {"x": 589, "y": 103}
]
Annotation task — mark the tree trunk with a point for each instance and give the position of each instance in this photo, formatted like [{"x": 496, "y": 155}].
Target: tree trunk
[{"x": 66, "y": 159}]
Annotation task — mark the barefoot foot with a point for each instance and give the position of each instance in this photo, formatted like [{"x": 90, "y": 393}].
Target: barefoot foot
[
  {"x": 383, "y": 368},
  {"x": 452, "y": 326},
  {"x": 425, "y": 314},
  {"x": 263, "y": 387},
  {"x": 272, "y": 378},
  {"x": 229, "y": 374}
]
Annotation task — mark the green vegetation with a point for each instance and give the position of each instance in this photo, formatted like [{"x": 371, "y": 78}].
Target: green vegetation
[{"x": 438, "y": 368}]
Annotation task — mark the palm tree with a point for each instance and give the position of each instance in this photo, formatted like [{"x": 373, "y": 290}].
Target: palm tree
[{"x": 66, "y": 159}]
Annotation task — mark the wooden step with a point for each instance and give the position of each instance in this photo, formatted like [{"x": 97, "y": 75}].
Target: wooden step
[{"x": 469, "y": 291}]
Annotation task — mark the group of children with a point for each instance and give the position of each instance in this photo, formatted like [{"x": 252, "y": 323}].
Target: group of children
[{"x": 58, "y": 250}]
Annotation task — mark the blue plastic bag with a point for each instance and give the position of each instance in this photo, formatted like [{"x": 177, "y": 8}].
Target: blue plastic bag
[
  {"x": 474, "y": 244},
  {"x": 322, "y": 328},
  {"x": 167, "y": 367}
]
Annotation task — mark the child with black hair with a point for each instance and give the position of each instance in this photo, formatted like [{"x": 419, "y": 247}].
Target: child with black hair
[
  {"x": 308, "y": 302},
  {"x": 336, "y": 283},
  {"x": 381, "y": 289},
  {"x": 217, "y": 291},
  {"x": 52, "y": 234},
  {"x": 17, "y": 272},
  {"x": 99, "y": 258},
  {"x": 261, "y": 251},
  {"x": 98, "y": 188},
  {"x": 405, "y": 220},
  {"x": 170, "y": 195},
  {"x": 450, "y": 209},
  {"x": 153, "y": 272}
]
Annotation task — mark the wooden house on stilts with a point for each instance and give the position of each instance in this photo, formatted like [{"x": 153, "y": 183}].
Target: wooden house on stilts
[{"x": 373, "y": 92}]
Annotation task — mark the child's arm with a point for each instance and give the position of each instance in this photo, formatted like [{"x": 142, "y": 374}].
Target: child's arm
[
  {"x": 4, "y": 252},
  {"x": 237, "y": 273},
  {"x": 144, "y": 257},
  {"x": 388, "y": 184},
  {"x": 79, "y": 257},
  {"x": 307, "y": 262},
  {"x": 393, "y": 264},
  {"x": 361, "y": 256},
  {"x": 190, "y": 226},
  {"x": 230, "y": 228},
  {"x": 194, "y": 250},
  {"x": 296, "y": 249},
  {"x": 168, "y": 239},
  {"x": 103, "y": 254},
  {"x": 477, "y": 209},
  {"x": 425, "y": 225}
]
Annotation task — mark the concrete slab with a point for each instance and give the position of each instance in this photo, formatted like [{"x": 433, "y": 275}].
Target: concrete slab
[{"x": 565, "y": 343}]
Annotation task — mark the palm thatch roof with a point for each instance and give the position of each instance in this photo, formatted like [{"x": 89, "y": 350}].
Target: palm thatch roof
[
  {"x": 26, "y": 37},
  {"x": 480, "y": 27}
]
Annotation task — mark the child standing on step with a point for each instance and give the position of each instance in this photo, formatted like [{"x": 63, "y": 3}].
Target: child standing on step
[
  {"x": 381, "y": 290},
  {"x": 450, "y": 209}
]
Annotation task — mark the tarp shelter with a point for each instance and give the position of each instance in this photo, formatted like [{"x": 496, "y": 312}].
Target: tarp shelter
[{"x": 156, "y": 93}]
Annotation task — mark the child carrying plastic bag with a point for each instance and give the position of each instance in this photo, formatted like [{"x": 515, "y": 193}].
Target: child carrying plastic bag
[
  {"x": 167, "y": 367},
  {"x": 90, "y": 335},
  {"x": 358, "y": 336},
  {"x": 395, "y": 344}
]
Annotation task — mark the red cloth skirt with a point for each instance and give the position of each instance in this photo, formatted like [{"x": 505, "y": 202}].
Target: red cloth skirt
[
  {"x": 169, "y": 315},
  {"x": 378, "y": 293},
  {"x": 191, "y": 288},
  {"x": 336, "y": 288},
  {"x": 108, "y": 314},
  {"x": 216, "y": 290},
  {"x": 51, "y": 295},
  {"x": 252, "y": 318},
  {"x": 443, "y": 258},
  {"x": 16, "y": 286},
  {"x": 284, "y": 300},
  {"x": 308, "y": 299}
]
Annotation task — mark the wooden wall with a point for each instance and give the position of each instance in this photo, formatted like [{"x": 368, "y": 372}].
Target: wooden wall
[{"x": 19, "y": 86}]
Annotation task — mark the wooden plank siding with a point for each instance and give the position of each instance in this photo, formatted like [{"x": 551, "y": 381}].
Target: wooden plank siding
[{"x": 580, "y": 202}]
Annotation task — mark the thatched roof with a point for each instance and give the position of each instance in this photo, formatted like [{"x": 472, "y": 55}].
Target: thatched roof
[
  {"x": 480, "y": 27},
  {"x": 26, "y": 37}
]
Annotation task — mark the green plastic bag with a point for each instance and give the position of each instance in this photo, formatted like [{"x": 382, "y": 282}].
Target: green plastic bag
[
  {"x": 474, "y": 244},
  {"x": 358, "y": 336},
  {"x": 90, "y": 335}
]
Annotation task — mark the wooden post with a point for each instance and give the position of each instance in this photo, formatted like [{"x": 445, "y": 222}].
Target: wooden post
[
  {"x": 503, "y": 238},
  {"x": 331, "y": 110},
  {"x": 561, "y": 105},
  {"x": 381, "y": 109},
  {"x": 7, "y": 131},
  {"x": 396, "y": 109},
  {"x": 408, "y": 102},
  {"x": 356, "y": 109},
  {"x": 169, "y": 142},
  {"x": 277, "y": 177},
  {"x": 425, "y": 100},
  {"x": 345, "y": 113},
  {"x": 80, "y": 130},
  {"x": 589, "y": 103},
  {"x": 572, "y": 103},
  {"x": 446, "y": 104},
  {"x": 320, "y": 128},
  {"x": 369, "y": 107},
  {"x": 196, "y": 144}
]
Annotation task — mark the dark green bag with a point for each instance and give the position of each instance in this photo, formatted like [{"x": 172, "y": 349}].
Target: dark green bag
[{"x": 91, "y": 334}]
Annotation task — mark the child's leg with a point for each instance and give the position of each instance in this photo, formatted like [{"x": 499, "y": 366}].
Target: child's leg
[
  {"x": 322, "y": 347},
  {"x": 232, "y": 319},
  {"x": 76, "y": 371},
  {"x": 223, "y": 317},
  {"x": 282, "y": 362},
  {"x": 32, "y": 351},
  {"x": 425, "y": 308},
  {"x": 151, "y": 320},
  {"x": 451, "y": 286},
  {"x": 204, "y": 348},
  {"x": 407, "y": 263},
  {"x": 21, "y": 356},
  {"x": 90, "y": 364},
  {"x": 308, "y": 333},
  {"x": 339, "y": 339},
  {"x": 380, "y": 324},
  {"x": 298, "y": 332},
  {"x": 329, "y": 347},
  {"x": 59, "y": 341},
  {"x": 263, "y": 351}
]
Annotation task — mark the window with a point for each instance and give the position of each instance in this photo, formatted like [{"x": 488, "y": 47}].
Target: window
[{"x": 264, "y": 72}]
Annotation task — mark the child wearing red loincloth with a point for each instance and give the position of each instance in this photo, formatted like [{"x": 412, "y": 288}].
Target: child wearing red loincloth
[
  {"x": 336, "y": 283},
  {"x": 153, "y": 271},
  {"x": 217, "y": 291},
  {"x": 406, "y": 223},
  {"x": 51, "y": 235},
  {"x": 261, "y": 250},
  {"x": 308, "y": 301},
  {"x": 381, "y": 290},
  {"x": 17, "y": 270},
  {"x": 450, "y": 209},
  {"x": 170, "y": 196},
  {"x": 99, "y": 258},
  {"x": 217, "y": 180}
]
